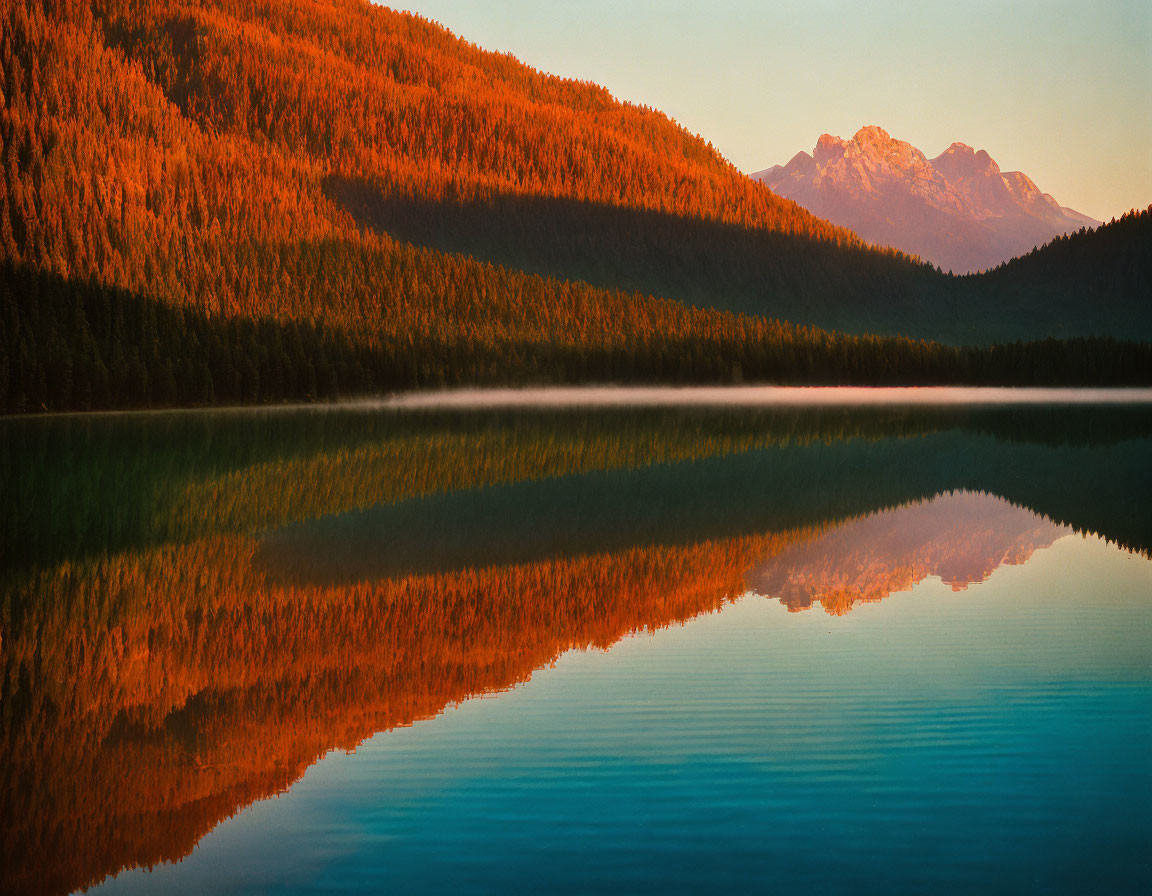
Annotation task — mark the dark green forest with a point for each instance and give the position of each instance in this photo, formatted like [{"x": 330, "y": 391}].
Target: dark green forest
[{"x": 81, "y": 346}]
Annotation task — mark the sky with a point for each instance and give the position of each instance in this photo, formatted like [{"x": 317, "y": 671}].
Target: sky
[{"x": 1058, "y": 89}]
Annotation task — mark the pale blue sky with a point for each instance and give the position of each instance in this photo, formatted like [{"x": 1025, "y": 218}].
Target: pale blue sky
[{"x": 1059, "y": 89}]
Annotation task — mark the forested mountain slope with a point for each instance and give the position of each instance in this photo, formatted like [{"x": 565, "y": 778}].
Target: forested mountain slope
[
  {"x": 214, "y": 199},
  {"x": 145, "y": 141},
  {"x": 1089, "y": 281}
]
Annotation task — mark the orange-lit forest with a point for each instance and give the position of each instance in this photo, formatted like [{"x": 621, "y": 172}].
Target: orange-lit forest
[
  {"x": 228, "y": 201},
  {"x": 152, "y": 694}
]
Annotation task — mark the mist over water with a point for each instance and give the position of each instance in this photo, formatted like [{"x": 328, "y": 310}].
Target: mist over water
[{"x": 758, "y": 396}]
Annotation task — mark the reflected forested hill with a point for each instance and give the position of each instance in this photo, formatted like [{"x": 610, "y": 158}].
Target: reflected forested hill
[
  {"x": 197, "y": 606},
  {"x": 78, "y": 485}
]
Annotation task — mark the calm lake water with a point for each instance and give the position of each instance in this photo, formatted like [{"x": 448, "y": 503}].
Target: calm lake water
[{"x": 830, "y": 647}]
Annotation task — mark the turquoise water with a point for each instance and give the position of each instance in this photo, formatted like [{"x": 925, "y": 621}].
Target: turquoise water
[
  {"x": 994, "y": 740},
  {"x": 866, "y": 650}
]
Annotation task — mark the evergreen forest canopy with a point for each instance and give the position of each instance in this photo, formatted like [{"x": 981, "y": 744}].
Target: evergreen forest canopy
[{"x": 234, "y": 201}]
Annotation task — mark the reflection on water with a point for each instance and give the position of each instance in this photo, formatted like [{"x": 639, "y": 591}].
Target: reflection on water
[
  {"x": 962, "y": 538},
  {"x": 198, "y": 607}
]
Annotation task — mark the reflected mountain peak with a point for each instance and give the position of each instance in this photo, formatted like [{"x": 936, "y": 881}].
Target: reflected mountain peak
[{"x": 959, "y": 537}]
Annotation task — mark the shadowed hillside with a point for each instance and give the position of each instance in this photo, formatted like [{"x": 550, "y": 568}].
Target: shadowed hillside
[
  {"x": 1105, "y": 273},
  {"x": 80, "y": 345}
]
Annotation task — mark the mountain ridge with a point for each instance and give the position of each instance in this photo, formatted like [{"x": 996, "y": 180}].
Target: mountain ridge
[{"x": 959, "y": 210}]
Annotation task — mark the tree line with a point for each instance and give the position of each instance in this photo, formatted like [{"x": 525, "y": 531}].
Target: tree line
[{"x": 81, "y": 345}]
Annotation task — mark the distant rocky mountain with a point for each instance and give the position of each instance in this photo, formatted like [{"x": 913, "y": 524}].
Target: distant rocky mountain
[{"x": 958, "y": 210}]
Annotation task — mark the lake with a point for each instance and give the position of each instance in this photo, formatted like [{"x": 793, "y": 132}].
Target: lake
[{"x": 645, "y": 643}]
